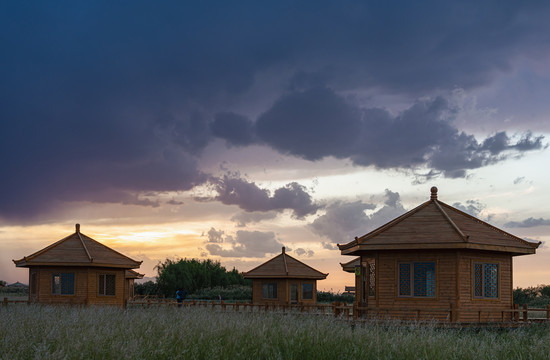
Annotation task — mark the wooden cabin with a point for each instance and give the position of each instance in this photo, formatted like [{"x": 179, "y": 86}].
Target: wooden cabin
[
  {"x": 79, "y": 270},
  {"x": 435, "y": 262},
  {"x": 284, "y": 280}
]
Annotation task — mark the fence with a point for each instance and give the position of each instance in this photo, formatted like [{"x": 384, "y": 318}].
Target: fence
[
  {"x": 351, "y": 311},
  {"x": 348, "y": 311}
]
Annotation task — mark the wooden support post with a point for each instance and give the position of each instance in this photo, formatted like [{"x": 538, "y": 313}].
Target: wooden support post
[
  {"x": 454, "y": 313},
  {"x": 547, "y": 312},
  {"x": 525, "y": 316},
  {"x": 516, "y": 312}
]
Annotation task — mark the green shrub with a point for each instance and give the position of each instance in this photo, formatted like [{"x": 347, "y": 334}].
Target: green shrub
[{"x": 232, "y": 292}]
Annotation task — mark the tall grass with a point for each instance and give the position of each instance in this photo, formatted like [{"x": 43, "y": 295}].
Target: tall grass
[{"x": 42, "y": 332}]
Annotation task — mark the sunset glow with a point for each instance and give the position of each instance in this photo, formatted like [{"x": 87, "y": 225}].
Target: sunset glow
[{"x": 178, "y": 130}]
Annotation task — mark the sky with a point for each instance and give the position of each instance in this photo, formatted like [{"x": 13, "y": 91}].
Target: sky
[{"x": 226, "y": 130}]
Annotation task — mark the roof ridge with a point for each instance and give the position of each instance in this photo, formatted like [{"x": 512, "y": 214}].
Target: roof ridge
[
  {"x": 511, "y": 236},
  {"x": 395, "y": 221},
  {"x": 306, "y": 265},
  {"x": 85, "y": 248},
  {"x": 111, "y": 249},
  {"x": 448, "y": 218},
  {"x": 284, "y": 261}
]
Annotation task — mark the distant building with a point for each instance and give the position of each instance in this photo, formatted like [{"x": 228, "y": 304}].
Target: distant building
[
  {"x": 284, "y": 280},
  {"x": 435, "y": 261},
  {"x": 79, "y": 270}
]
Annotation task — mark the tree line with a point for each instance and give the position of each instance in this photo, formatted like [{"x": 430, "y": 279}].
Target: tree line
[
  {"x": 191, "y": 275},
  {"x": 534, "y": 296}
]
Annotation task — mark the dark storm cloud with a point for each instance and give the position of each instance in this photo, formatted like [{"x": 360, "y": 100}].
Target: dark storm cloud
[
  {"x": 248, "y": 244},
  {"x": 344, "y": 220},
  {"x": 104, "y": 100},
  {"x": 311, "y": 124},
  {"x": 235, "y": 129},
  {"x": 249, "y": 197},
  {"x": 318, "y": 122},
  {"x": 527, "y": 223}
]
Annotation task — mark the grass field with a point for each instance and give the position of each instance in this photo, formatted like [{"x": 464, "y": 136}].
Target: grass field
[{"x": 41, "y": 332}]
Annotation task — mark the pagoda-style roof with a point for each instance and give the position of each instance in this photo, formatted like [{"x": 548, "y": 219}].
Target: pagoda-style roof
[
  {"x": 351, "y": 265},
  {"x": 131, "y": 274},
  {"x": 78, "y": 250},
  {"x": 436, "y": 225},
  {"x": 284, "y": 266}
]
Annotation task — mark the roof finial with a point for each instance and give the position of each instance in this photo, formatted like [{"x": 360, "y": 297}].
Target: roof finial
[
  {"x": 434, "y": 193},
  {"x": 283, "y": 249},
  {"x": 77, "y": 227}
]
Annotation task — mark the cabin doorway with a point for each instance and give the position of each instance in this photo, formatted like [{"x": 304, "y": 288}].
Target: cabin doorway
[{"x": 293, "y": 293}]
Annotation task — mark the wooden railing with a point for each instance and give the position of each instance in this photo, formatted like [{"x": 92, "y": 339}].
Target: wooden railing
[
  {"x": 335, "y": 308},
  {"x": 6, "y": 301},
  {"x": 349, "y": 311}
]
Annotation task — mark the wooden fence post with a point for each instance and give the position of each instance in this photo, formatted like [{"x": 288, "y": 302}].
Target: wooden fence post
[
  {"x": 5, "y": 301},
  {"x": 524, "y": 312},
  {"x": 516, "y": 312}
]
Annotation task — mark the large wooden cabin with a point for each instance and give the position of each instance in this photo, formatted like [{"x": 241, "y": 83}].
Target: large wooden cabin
[
  {"x": 435, "y": 262},
  {"x": 284, "y": 280},
  {"x": 79, "y": 270}
]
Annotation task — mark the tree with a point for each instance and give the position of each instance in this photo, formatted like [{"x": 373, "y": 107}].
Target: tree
[
  {"x": 2, "y": 283},
  {"x": 147, "y": 288},
  {"x": 193, "y": 275}
]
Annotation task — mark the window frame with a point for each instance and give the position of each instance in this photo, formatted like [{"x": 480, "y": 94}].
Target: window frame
[
  {"x": 103, "y": 292},
  {"x": 371, "y": 277},
  {"x": 411, "y": 294},
  {"x": 304, "y": 292},
  {"x": 483, "y": 295},
  {"x": 67, "y": 281},
  {"x": 271, "y": 291}
]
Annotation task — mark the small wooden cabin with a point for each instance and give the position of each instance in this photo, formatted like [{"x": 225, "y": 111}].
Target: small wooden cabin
[
  {"x": 79, "y": 270},
  {"x": 284, "y": 280},
  {"x": 435, "y": 262}
]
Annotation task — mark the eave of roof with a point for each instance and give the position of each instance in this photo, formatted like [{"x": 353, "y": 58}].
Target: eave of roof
[
  {"x": 122, "y": 261},
  {"x": 460, "y": 240}
]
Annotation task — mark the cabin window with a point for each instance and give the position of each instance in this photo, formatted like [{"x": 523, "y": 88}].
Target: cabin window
[
  {"x": 485, "y": 281},
  {"x": 63, "y": 284},
  {"x": 416, "y": 279},
  {"x": 371, "y": 268},
  {"x": 107, "y": 284},
  {"x": 307, "y": 291},
  {"x": 269, "y": 291}
]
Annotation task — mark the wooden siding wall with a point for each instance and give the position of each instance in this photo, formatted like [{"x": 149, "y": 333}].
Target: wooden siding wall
[
  {"x": 85, "y": 287},
  {"x": 387, "y": 283},
  {"x": 283, "y": 291},
  {"x": 93, "y": 292},
  {"x": 505, "y": 300},
  {"x": 452, "y": 291}
]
